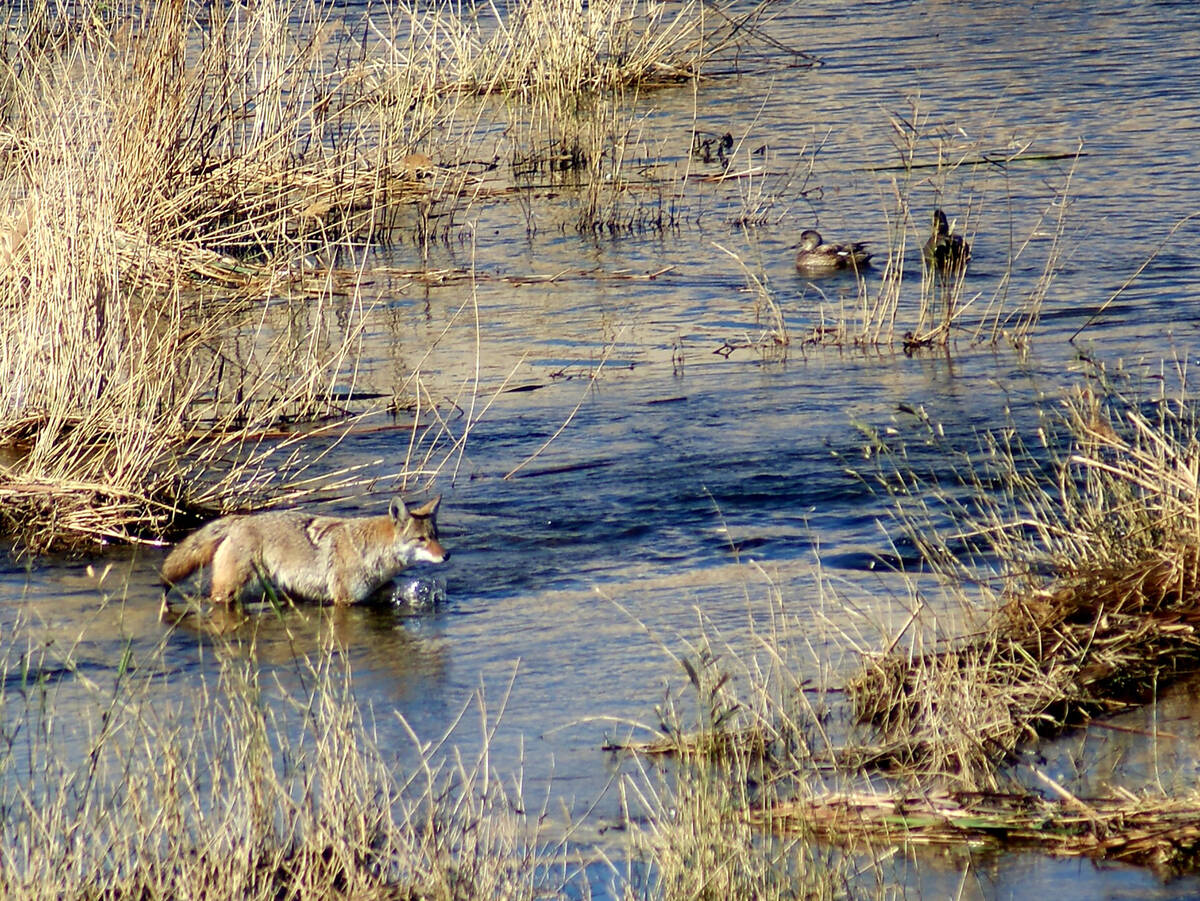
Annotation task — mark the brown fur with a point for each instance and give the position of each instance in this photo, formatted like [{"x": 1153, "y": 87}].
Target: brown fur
[{"x": 329, "y": 559}]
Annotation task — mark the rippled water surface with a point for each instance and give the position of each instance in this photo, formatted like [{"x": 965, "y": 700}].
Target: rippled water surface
[{"x": 679, "y": 465}]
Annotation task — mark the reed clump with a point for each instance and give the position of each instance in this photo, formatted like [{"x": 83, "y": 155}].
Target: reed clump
[
  {"x": 690, "y": 820},
  {"x": 1093, "y": 644},
  {"x": 1073, "y": 562},
  {"x": 246, "y": 786},
  {"x": 556, "y": 47},
  {"x": 187, "y": 193},
  {"x": 1088, "y": 560},
  {"x": 170, "y": 182}
]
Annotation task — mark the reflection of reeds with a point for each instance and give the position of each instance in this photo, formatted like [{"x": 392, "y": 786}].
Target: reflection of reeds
[{"x": 773, "y": 339}]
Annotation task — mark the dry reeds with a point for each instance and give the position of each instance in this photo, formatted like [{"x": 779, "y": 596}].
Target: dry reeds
[
  {"x": 689, "y": 820},
  {"x": 1160, "y": 833},
  {"x": 241, "y": 787},
  {"x": 694, "y": 840},
  {"x": 177, "y": 181},
  {"x": 1076, "y": 566},
  {"x": 556, "y": 47},
  {"x": 170, "y": 175},
  {"x": 1097, "y": 598}
]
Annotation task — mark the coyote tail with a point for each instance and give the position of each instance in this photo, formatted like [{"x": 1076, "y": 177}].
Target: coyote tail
[{"x": 195, "y": 551}]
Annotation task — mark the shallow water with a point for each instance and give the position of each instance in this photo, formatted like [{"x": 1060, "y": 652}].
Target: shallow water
[{"x": 680, "y": 465}]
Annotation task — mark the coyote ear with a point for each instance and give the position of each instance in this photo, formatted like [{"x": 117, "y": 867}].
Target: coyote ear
[
  {"x": 427, "y": 509},
  {"x": 397, "y": 511}
]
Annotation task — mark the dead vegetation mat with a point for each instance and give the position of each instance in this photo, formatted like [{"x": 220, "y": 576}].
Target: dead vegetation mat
[{"x": 1160, "y": 833}]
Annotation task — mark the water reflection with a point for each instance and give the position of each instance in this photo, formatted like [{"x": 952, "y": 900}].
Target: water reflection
[{"x": 379, "y": 640}]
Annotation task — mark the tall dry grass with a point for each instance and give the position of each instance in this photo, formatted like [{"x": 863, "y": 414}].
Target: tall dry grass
[
  {"x": 178, "y": 182},
  {"x": 1070, "y": 552},
  {"x": 242, "y": 785},
  {"x": 1058, "y": 581},
  {"x": 747, "y": 728}
]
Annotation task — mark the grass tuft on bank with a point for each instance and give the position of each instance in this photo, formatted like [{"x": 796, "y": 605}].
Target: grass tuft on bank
[
  {"x": 248, "y": 784},
  {"x": 1075, "y": 560}
]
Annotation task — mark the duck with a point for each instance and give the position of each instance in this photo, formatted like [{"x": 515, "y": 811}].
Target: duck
[
  {"x": 815, "y": 257},
  {"x": 945, "y": 253}
]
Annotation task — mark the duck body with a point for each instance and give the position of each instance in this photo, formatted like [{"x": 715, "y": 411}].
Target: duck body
[
  {"x": 815, "y": 257},
  {"x": 945, "y": 253}
]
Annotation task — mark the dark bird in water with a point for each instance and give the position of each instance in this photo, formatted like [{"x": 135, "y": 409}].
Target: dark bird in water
[
  {"x": 945, "y": 253},
  {"x": 817, "y": 258}
]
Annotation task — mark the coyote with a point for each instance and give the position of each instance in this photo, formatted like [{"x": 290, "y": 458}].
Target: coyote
[{"x": 328, "y": 559}]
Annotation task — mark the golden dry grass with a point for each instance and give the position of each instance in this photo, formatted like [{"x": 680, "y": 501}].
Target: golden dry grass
[
  {"x": 1083, "y": 547},
  {"x": 242, "y": 786},
  {"x": 1074, "y": 563}
]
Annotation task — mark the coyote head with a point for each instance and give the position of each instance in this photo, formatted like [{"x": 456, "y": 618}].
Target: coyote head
[{"x": 417, "y": 529}]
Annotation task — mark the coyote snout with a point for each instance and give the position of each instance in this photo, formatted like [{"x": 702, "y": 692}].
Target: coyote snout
[{"x": 328, "y": 559}]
